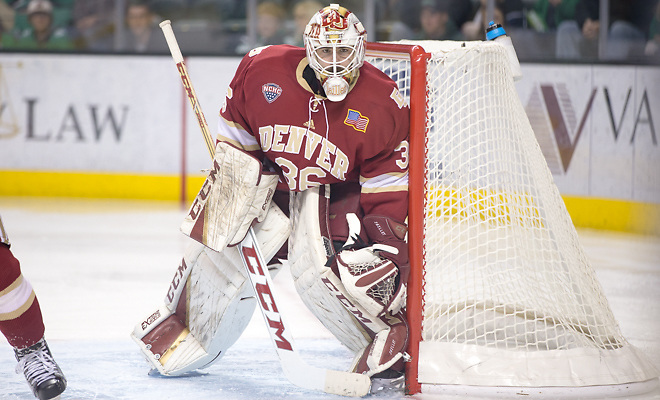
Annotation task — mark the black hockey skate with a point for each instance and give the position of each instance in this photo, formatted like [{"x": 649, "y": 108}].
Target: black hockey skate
[{"x": 41, "y": 371}]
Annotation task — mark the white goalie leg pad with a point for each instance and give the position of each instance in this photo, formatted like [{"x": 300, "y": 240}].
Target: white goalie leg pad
[
  {"x": 319, "y": 288},
  {"x": 389, "y": 332},
  {"x": 378, "y": 342},
  {"x": 208, "y": 306},
  {"x": 209, "y": 313},
  {"x": 235, "y": 194}
]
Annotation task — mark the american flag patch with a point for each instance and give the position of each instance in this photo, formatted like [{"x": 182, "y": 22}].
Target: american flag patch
[
  {"x": 271, "y": 91},
  {"x": 356, "y": 120}
]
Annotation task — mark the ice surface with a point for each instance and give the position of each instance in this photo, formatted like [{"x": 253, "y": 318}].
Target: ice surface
[{"x": 99, "y": 267}]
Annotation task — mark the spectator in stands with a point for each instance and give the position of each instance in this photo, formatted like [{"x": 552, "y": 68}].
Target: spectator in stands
[
  {"x": 407, "y": 21},
  {"x": 270, "y": 27},
  {"x": 508, "y": 13},
  {"x": 208, "y": 10},
  {"x": 94, "y": 24},
  {"x": 40, "y": 34},
  {"x": 435, "y": 22},
  {"x": 143, "y": 34},
  {"x": 579, "y": 38},
  {"x": 6, "y": 22},
  {"x": 61, "y": 13},
  {"x": 7, "y": 14},
  {"x": 547, "y": 15},
  {"x": 405, "y": 15},
  {"x": 302, "y": 13},
  {"x": 652, "y": 48},
  {"x": 460, "y": 11}
]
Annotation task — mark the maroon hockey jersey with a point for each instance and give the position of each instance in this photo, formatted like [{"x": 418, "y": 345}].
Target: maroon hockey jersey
[{"x": 272, "y": 112}]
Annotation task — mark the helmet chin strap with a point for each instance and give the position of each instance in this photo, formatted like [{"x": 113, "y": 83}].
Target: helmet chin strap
[{"x": 336, "y": 88}]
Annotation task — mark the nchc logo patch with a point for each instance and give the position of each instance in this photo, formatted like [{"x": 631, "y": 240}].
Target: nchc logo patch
[
  {"x": 271, "y": 91},
  {"x": 356, "y": 120}
]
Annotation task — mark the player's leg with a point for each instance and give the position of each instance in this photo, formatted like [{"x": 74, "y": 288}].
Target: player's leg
[
  {"x": 22, "y": 325},
  {"x": 210, "y": 302},
  {"x": 208, "y": 305},
  {"x": 377, "y": 340},
  {"x": 377, "y": 285}
]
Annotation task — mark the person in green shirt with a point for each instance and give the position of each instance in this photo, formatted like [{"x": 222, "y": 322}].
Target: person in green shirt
[
  {"x": 653, "y": 45},
  {"x": 41, "y": 34},
  {"x": 548, "y": 14},
  {"x": 436, "y": 23}
]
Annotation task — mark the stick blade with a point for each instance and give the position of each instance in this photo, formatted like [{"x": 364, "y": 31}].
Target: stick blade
[
  {"x": 346, "y": 383},
  {"x": 306, "y": 376}
]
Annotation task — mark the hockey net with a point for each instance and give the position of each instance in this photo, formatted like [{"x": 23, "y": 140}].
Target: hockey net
[{"x": 501, "y": 292}]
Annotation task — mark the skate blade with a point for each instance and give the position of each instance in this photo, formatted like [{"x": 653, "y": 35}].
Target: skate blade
[{"x": 382, "y": 385}]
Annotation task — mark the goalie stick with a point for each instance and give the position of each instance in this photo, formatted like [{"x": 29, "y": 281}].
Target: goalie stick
[{"x": 294, "y": 367}]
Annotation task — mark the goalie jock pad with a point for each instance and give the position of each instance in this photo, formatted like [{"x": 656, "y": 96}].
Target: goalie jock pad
[
  {"x": 377, "y": 341},
  {"x": 208, "y": 305}
]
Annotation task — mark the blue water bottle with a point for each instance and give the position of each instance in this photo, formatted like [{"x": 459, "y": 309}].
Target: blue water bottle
[{"x": 496, "y": 33}]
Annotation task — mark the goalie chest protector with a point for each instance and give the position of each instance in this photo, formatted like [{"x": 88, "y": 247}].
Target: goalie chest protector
[{"x": 315, "y": 141}]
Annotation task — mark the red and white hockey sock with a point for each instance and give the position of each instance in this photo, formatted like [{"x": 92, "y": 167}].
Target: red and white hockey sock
[{"x": 21, "y": 321}]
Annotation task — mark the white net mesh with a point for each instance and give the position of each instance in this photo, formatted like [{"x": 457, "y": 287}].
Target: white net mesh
[
  {"x": 496, "y": 222},
  {"x": 504, "y": 275}
]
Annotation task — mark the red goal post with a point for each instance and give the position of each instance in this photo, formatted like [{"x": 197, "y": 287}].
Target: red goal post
[
  {"x": 501, "y": 292},
  {"x": 416, "y": 57}
]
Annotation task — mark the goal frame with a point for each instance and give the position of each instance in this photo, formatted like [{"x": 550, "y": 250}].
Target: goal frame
[
  {"x": 609, "y": 361},
  {"x": 418, "y": 60}
]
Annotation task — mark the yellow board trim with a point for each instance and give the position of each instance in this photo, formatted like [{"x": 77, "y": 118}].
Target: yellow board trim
[
  {"x": 614, "y": 215},
  {"x": 97, "y": 185},
  {"x": 597, "y": 213}
]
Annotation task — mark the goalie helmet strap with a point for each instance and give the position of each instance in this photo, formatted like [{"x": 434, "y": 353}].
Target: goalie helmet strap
[{"x": 313, "y": 82}]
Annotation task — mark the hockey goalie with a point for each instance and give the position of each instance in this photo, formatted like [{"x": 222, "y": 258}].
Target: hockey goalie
[{"x": 312, "y": 154}]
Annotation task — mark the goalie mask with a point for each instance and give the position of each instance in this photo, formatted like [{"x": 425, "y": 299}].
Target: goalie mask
[{"x": 334, "y": 41}]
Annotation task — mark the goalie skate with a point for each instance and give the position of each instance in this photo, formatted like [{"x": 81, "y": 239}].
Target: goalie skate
[
  {"x": 388, "y": 381},
  {"x": 41, "y": 371}
]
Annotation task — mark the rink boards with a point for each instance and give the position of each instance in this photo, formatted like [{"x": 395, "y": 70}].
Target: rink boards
[{"x": 120, "y": 127}]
